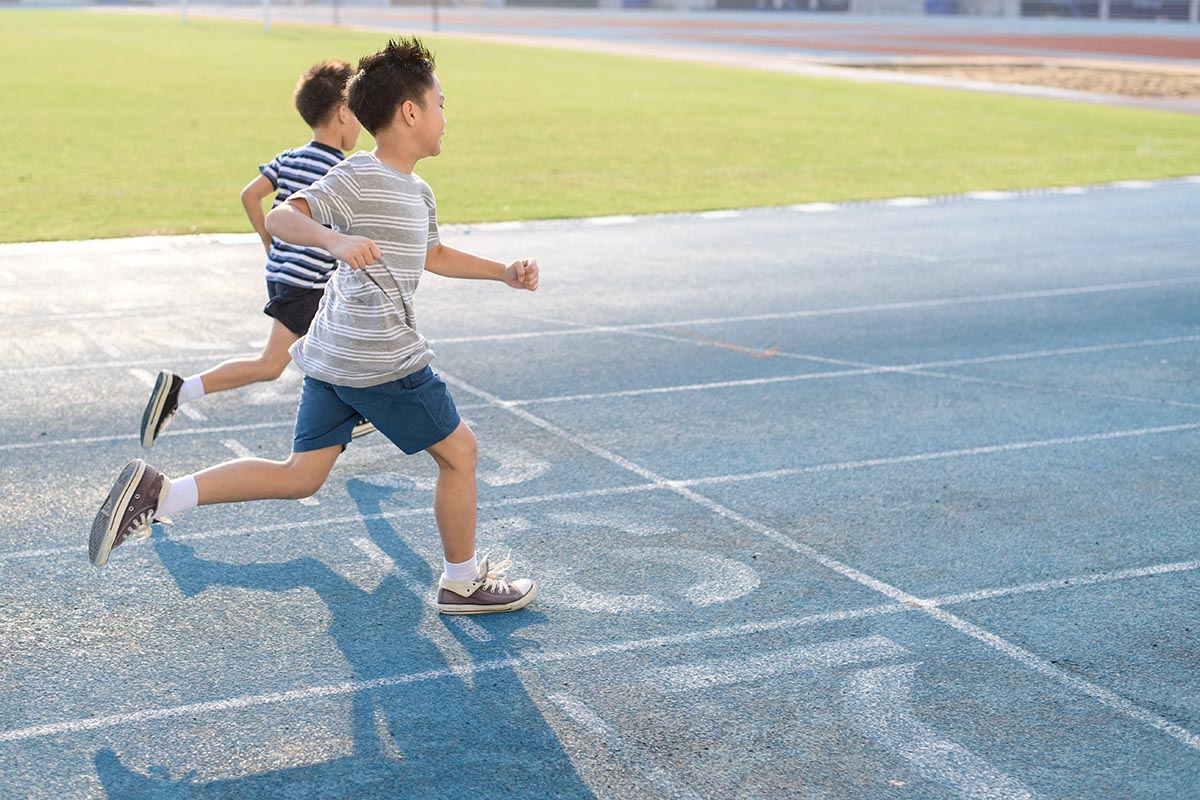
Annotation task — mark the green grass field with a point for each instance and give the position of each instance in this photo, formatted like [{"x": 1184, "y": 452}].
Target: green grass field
[{"x": 117, "y": 125}]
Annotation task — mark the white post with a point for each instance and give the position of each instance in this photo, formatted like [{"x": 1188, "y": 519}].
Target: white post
[
  {"x": 1104, "y": 10},
  {"x": 1194, "y": 11},
  {"x": 266, "y": 15},
  {"x": 183, "y": 11}
]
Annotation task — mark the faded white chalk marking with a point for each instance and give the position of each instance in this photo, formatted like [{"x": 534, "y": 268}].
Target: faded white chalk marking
[
  {"x": 741, "y": 669},
  {"x": 908, "y": 202},
  {"x": 814, "y": 208},
  {"x": 698, "y": 578},
  {"x": 879, "y": 702},
  {"x": 96, "y": 341}
]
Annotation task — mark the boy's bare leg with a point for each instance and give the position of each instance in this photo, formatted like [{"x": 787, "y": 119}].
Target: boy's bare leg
[
  {"x": 301, "y": 475},
  {"x": 454, "y": 501},
  {"x": 266, "y": 366},
  {"x": 142, "y": 494}
]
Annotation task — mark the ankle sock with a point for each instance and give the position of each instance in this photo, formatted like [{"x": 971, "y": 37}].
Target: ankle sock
[
  {"x": 466, "y": 571},
  {"x": 180, "y": 497},
  {"x": 192, "y": 388}
]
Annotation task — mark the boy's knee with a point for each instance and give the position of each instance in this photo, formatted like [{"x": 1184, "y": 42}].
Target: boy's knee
[
  {"x": 303, "y": 481},
  {"x": 463, "y": 454}
]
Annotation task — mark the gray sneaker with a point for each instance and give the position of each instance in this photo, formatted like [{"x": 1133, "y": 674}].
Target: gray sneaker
[
  {"x": 127, "y": 513},
  {"x": 163, "y": 403},
  {"x": 361, "y": 429},
  {"x": 491, "y": 591}
]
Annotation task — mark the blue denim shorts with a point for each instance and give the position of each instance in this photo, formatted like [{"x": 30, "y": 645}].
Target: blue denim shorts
[{"x": 414, "y": 412}]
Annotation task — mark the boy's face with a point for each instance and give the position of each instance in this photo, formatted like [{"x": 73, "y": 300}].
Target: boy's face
[{"x": 431, "y": 119}]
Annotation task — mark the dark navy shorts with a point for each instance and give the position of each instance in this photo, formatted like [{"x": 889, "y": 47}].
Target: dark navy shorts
[
  {"x": 293, "y": 306},
  {"x": 414, "y": 412}
]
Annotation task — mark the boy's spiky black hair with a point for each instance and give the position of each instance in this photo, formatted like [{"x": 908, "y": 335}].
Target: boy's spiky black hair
[
  {"x": 401, "y": 71},
  {"x": 321, "y": 90}
]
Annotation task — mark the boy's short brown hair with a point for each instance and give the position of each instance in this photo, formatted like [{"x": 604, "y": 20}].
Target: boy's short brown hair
[
  {"x": 401, "y": 71},
  {"x": 321, "y": 90}
]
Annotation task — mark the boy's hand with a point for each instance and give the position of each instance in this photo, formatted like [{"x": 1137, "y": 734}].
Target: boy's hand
[
  {"x": 522, "y": 274},
  {"x": 357, "y": 251}
]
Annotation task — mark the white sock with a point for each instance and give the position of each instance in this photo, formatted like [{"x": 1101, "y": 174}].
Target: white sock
[
  {"x": 180, "y": 497},
  {"x": 192, "y": 388},
  {"x": 466, "y": 571}
]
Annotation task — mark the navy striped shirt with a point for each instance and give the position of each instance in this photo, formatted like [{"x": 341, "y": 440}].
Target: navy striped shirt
[{"x": 289, "y": 172}]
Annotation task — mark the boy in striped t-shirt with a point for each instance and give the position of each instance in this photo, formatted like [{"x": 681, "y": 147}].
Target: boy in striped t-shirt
[
  {"x": 296, "y": 276},
  {"x": 363, "y": 356}
]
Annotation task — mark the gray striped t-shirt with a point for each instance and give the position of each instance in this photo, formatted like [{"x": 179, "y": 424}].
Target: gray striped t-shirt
[{"x": 365, "y": 331}]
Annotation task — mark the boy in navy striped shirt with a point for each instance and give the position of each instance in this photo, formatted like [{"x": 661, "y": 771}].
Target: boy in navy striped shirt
[{"x": 296, "y": 276}]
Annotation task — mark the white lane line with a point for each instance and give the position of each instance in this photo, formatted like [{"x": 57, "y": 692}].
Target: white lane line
[
  {"x": 908, "y": 305},
  {"x": 83, "y": 440},
  {"x": 1039, "y": 664},
  {"x": 814, "y": 208},
  {"x": 909, "y": 202},
  {"x": 241, "y": 451},
  {"x": 859, "y": 368},
  {"x": 350, "y": 687},
  {"x": 939, "y": 455},
  {"x": 682, "y": 484},
  {"x": 607, "y": 737},
  {"x": 740, "y": 669},
  {"x": 373, "y": 552},
  {"x": 148, "y": 380},
  {"x": 879, "y": 701},
  {"x": 698, "y": 387},
  {"x": 1051, "y": 389},
  {"x": 1132, "y": 184},
  {"x": 186, "y": 358},
  {"x": 96, "y": 341},
  {"x": 560, "y": 497},
  {"x": 634, "y": 646},
  {"x": 1104, "y": 696},
  {"x": 782, "y": 315},
  {"x": 720, "y": 214},
  {"x": 1066, "y": 583}
]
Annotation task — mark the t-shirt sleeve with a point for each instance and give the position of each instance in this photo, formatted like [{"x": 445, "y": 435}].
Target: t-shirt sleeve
[
  {"x": 270, "y": 170},
  {"x": 434, "y": 238},
  {"x": 332, "y": 199}
]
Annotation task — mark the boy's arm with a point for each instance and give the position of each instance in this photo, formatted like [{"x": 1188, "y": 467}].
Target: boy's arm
[
  {"x": 451, "y": 263},
  {"x": 253, "y": 195},
  {"x": 292, "y": 222}
]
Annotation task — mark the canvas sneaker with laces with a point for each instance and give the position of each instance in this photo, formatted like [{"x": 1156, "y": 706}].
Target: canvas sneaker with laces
[
  {"x": 128, "y": 511},
  {"x": 361, "y": 429},
  {"x": 490, "y": 592},
  {"x": 161, "y": 407}
]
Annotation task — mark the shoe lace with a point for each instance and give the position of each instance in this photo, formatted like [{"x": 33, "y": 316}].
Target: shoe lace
[
  {"x": 496, "y": 579},
  {"x": 139, "y": 527}
]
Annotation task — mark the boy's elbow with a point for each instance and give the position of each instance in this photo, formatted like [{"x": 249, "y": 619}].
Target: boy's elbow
[{"x": 273, "y": 219}]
